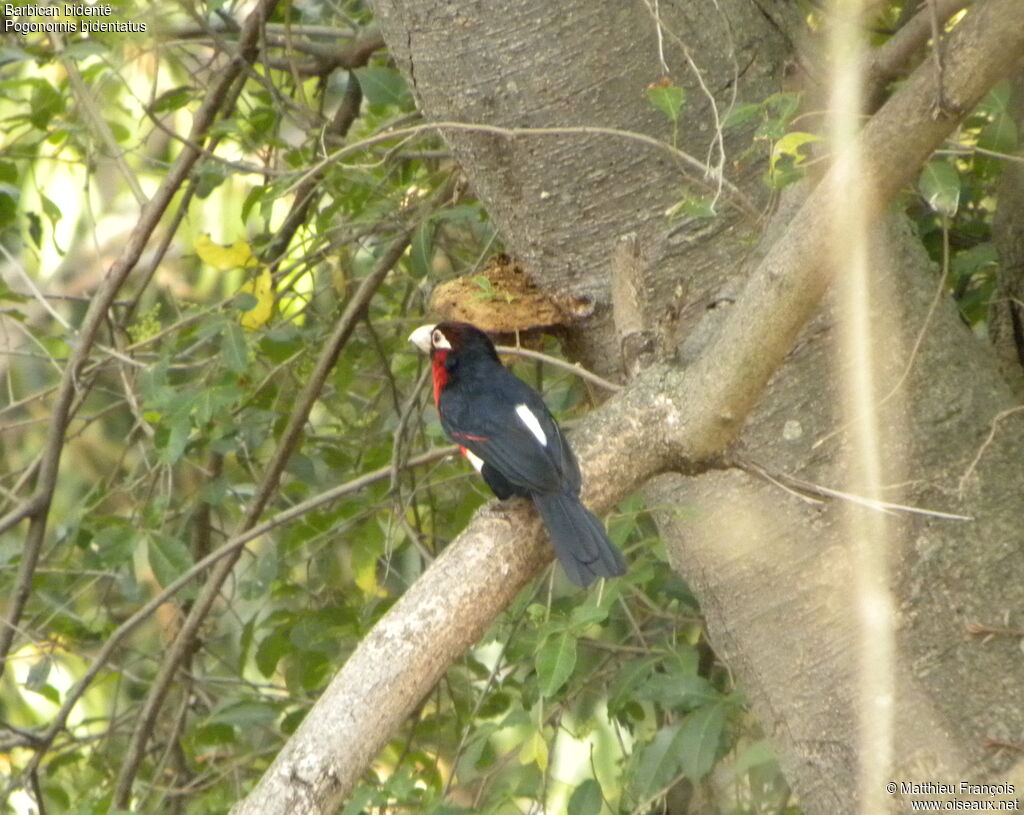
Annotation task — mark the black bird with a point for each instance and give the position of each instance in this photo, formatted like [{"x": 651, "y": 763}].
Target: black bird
[{"x": 508, "y": 434}]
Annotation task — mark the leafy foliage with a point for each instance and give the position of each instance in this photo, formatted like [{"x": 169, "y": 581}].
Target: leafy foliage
[{"x": 585, "y": 703}]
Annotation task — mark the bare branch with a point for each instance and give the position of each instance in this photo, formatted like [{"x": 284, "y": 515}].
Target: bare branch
[
  {"x": 891, "y": 59},
  {"x": 684, "y": 160},
  {"x": 636, "y": 340},
  {"x": 555, "y": 362}
]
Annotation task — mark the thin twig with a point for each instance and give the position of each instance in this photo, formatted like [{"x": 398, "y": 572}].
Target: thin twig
[
  {"x": 289, "y": 442},
  {"x": 961, "y": 486},
  {"x": 36, "y": 293},
  {"x": 685, "y": 159},
  {"x": 781, "y": 479},
  {"x": 46, "y": 481},
  {"x": 572, "y": 367},
  {"x": 889, "y": 60},
  {"x": 96, "y": 121},
  {"x": 233, "y": 545}
]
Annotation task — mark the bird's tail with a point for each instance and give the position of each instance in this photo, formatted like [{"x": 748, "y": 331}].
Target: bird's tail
[{"x": 579, "y": 539}]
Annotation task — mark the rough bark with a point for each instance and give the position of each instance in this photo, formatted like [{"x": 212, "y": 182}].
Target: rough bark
[
  {"x": 1007, "y": 313},
  {"x": 561, "y": 201},
  {"x": 521, "y": 68},
  {"x": 774, "y": 572}
]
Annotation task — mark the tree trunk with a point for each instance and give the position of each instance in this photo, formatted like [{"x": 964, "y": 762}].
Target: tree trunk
[
  {"x": 561, "y": 201},
  {"x": 774, "y": 570},
  {"x": 775, "y": 590}
]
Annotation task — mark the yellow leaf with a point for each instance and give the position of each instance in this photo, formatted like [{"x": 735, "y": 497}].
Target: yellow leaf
[
  {"x": 364, "y": 570},
  {"x": 789, "y": 145},
  {"x": 535, "y": 749},
  {"x": 366, "y": 580},
  {"x": 262, "y": 288},
  {"x": 340, "y": 274},
  {"x": 223, "y": 258}
]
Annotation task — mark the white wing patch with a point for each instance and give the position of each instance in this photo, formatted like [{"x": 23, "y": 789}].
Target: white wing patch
[
  {"x": 532, "y": 424},
  {"x": 474, "y": 459}
]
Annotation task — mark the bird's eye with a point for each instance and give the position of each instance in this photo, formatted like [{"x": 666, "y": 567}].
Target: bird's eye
[{"x": 438, "y": 341}]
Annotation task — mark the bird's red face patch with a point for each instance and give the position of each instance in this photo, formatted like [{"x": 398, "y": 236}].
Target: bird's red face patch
[{"x": 440, "y": 373}]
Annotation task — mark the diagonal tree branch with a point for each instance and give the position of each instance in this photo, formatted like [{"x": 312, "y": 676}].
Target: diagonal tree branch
[
  {"x": 672, "y": 416},
  {"x": 890, "y": 60}
]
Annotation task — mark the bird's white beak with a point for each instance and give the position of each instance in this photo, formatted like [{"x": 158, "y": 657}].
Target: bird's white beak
[{"x": 421, "y": 337}]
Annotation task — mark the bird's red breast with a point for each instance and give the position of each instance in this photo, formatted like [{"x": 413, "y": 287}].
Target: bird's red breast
[{"x": 440, "y": 373}]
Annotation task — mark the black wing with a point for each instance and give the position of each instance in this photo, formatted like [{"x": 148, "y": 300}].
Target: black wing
[{"x": 484, "y": 421}]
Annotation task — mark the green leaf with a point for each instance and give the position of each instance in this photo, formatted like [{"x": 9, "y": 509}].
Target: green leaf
[
  {"x": 698, "y": 740},
  {"x": 255, "y": 196},
  {"x": 291, "y": 721},
  {"x": 658, "y": 764},
  {"x": 783, "y": 105},
  {"x": 49, "y": 693},
  {"x": 211, "y": 176},
  {"x": 233, "y": 347},
  {"x": 740, "y": 115},
  {"x": 245, "y": 301},
  {"x": 35, "y": 228},
  {"x": 999, "y": 135},
  {"x": 778, "y": 110},
  {"x": 422, "y": 249},
  {"x": 699, "y": 206},
  {"x": 244, "y": 714},
  {"x": 8, "y": 203},
  {"x": 359, "y": 802},
  {"x": 586, "y": 799},
  {"x": 476, "y": 751},
  {"x": 173, "y": 99},
  {"x": 939, "y": 185},
  {"x": 47, "y": 102},
  {"x": 271, "y": 649},
  {"x": 588, "y": 614},
  {"x": 966, "y": 263},
  {"x": 383, "y": 86},
  {"x": 113, "y": 542},
  {"x": 169, "y": 558},
  {"x": 172, "y": 436},
  {"x": 667, "y": 98},
  {"x": 754, "y": 755},
  {"x": 315, "y": 633},
  {"x": 632, "y": 676},
  {"x": 679, "y": 692},
  {"x": 487, "y": 291},
  {"x": 212, "y": 734},
  {"x": 6, "y": 293},
  {"x": 690, "y": 747},
  {"x": 555, "y": 662},
  {"x": 534, "y": 750},
  {"x": 38, "y": 674},
  {"x": 50, "y": 209}
]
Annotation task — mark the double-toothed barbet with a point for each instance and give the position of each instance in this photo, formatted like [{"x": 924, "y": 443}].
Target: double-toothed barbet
[{"x": 506, "y": 431}]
